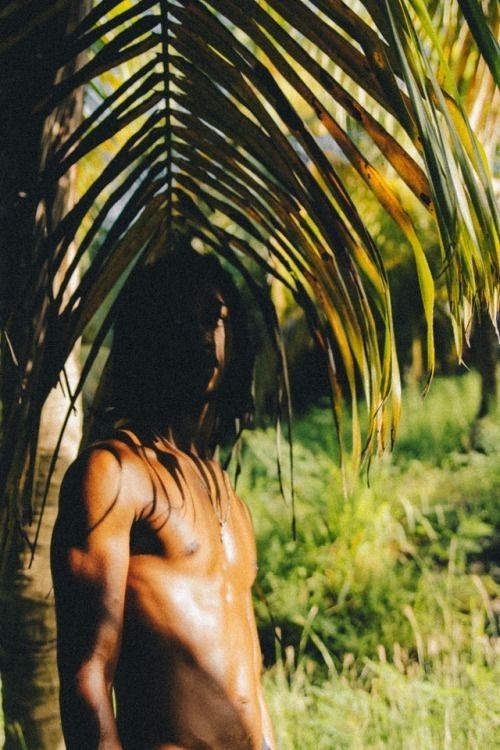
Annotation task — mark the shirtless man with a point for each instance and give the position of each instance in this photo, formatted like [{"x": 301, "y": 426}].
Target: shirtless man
[{"x": 153, "y": 553}]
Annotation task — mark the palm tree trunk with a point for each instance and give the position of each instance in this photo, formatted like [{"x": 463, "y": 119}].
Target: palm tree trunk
[
  {"x": 27, "y": 620},
  {"x": 487, "y": 343},
  {"x": 27, "y": 624}
]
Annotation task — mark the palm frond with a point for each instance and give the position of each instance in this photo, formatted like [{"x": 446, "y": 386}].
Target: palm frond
[
  {"x": 483, "y": 35},
  {"x": 229, "y": 116}
]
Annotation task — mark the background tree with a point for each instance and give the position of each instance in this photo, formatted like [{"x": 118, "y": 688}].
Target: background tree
[
  {"x": 27, "y": 618},
  {"x": 215, "y": 140}
]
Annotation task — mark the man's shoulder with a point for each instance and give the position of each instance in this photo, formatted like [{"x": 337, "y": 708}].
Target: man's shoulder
[
  {"x": 104, "y": 459},
  {"x": 105, "y": 470},
  {"x": 121, "y": 464},
  {"x": 118, "y": 452}
]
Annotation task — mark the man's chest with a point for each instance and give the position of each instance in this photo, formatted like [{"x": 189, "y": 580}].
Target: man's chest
[{"x": 196, "y": 526}]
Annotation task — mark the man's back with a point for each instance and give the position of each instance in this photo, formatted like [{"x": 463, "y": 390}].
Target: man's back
[{"x": 154, "y": 558}]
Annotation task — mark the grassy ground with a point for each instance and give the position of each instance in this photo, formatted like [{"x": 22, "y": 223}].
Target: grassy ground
[{"x": 386, "y": 605}]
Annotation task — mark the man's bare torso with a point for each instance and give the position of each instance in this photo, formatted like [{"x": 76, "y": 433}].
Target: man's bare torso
[
  {"x": 188, "y": 664},
  {"x": 187, "y": 661}
]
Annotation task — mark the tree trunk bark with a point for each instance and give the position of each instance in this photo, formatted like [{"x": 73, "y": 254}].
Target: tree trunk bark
[
  {"x": 487, "y": 355},
  {"x": 27, "y": 623},
  {"x": 415, "y": 372},
  {"x": 27, "y": 620}
]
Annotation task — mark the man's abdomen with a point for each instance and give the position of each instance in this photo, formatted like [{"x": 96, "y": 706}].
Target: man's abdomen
[{"x": 186, "y": 674}]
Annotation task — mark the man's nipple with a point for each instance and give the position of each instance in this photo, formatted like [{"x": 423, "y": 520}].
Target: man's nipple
[{"x": 192, "y": 548}]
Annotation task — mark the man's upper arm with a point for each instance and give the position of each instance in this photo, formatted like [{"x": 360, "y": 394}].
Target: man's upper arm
[{"x": 90, "y": 557}]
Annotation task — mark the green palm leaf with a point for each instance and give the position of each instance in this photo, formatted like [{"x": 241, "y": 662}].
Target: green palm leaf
[{"x": 483, "y": 35}]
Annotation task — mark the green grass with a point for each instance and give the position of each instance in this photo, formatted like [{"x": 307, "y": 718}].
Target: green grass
[
  {"x": 387, "y": 709},
  {"x": 385, "y": 603}
]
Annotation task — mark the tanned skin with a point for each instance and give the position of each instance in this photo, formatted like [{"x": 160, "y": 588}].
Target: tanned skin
[{"x": 153, "y": 561}]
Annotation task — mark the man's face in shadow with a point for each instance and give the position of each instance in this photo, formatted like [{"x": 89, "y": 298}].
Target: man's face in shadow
[
  {"x": 214, "y": 321},
  {"x": 202, "y": 337}
]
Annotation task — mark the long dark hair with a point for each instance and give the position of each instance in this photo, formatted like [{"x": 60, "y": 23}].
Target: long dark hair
[{"x": 160, "y": 358}]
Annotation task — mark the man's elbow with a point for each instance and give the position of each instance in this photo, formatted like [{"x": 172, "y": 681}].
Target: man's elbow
[{"x": 88, "y": 684}]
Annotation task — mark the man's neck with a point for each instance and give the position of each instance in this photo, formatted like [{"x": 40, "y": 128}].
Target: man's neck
[{"x": 191, "y": 433}]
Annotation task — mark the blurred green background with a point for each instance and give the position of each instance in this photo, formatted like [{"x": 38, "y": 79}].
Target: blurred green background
[{"x": 378, "y": 623}]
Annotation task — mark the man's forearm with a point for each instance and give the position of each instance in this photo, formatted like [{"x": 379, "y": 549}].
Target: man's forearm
[{"x": 87, "y": 717}]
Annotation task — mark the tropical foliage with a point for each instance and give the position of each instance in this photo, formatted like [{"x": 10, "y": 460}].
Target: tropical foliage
[
  {"x": 379, "y": 622},
  {"x": 227, "y": 126},
  {"x": 235, "y": 123}
]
